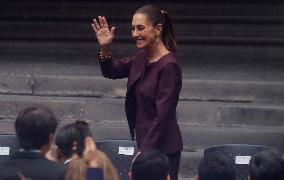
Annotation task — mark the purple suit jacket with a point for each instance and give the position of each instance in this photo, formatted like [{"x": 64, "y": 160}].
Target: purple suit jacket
[{"x": 162, "y": 131}]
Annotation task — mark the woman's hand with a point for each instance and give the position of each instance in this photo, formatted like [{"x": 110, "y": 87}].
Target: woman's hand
[
  {"x": 90, "y": 152},
  {"x": 104, "y": 34}
]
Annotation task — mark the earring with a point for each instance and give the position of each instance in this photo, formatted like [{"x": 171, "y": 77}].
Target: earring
[{"x": 157, "y": 38}]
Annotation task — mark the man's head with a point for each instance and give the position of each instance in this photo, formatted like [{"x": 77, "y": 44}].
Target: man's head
[
  {"x": 150, "y": 165},
  {"x": 215, "y": 167},
  {"x": 265, "y": 165},
  {"x": 35, "y": 126}
]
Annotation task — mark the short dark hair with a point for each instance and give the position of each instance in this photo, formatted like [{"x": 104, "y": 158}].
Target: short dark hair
[
  {"x": 65, "y": 138},
  {"x": 267, "y": 164},
  {"x": 216, "y": 166},
  {"x": 34, "y": 125},
  {"x": 70, "y": 133},
  {"x": 150, "y": 165},
  {"x": 84, "y": 131}
]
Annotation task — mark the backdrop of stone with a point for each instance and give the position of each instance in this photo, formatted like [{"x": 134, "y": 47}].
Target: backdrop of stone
[{"x": 231, "y": 53}]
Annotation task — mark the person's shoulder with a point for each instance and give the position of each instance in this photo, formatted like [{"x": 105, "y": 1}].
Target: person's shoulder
[
  {"x": 55, "y": 165},
  {"x": 57, "y": 169},
  {"x": 169, "y": 60},
  {"x": 50, "y": 165},
  {"x": 37, "y": 167}
]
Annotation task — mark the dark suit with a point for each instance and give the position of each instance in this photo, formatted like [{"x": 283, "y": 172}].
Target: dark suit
[
  {"x": 150, "y": 109},
  {"x": 33, "y": 165}
]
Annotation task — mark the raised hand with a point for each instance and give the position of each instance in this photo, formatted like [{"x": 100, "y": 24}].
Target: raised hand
[
  {"x": 90, "y": 152},
  {"x": 104, "y": 34}
]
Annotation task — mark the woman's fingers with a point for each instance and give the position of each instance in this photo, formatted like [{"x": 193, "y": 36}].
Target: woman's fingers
[
  {"x": 90, "y": 144},
  {"x": 101, "y": 21},
  {"x": 104, "y": 22},
  {"x": 94, "y": 28},
  {"x": 96, "y": 25},
  {"x": 112, "y": 31}
]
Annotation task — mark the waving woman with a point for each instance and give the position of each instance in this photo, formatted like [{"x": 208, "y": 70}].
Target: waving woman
[{"x": 154, "y": 80}]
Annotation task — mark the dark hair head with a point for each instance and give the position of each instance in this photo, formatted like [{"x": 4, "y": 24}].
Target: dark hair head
[
  {"x": 216, "y": 167},
  {"x": 150, "y": 165},
  {"x": 84, "y": 131},
  {"x": 65, "y": 138},
  {"x": 158, "y": 16},
  {"x": 267, "y": 164},
  {"x": 71, "y": 133},
  {"x": 34, "y": 125}
]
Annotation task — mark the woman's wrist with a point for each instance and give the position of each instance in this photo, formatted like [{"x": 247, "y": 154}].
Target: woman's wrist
[
  {"x": 103, "y": 57},
  {"x": 105, "y": 51}
]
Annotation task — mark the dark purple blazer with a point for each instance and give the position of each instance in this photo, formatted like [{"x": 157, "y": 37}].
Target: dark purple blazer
[{"x": 162, "y": 131}]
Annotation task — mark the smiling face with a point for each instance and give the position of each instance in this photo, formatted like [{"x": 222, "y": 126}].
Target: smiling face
[{"x": 143, "y": 32}]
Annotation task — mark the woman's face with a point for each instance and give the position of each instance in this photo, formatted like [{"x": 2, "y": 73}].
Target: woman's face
[{"x": 143, "y": 32}]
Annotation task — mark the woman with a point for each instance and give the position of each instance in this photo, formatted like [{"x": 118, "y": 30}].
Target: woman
[
  {"x": 154, "y": 81},
  {"x": 76, "y": 148},
  {"x": 95, "y": 165}
]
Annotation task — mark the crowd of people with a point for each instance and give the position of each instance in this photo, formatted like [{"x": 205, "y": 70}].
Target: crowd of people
[{"x": 76, "y": 156}]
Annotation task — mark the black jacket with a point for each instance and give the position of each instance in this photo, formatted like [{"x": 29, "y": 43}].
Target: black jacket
[{"x": 33, "y": 165}]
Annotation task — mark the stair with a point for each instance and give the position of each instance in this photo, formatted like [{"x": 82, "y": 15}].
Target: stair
[{"x": 230, "y": 52}]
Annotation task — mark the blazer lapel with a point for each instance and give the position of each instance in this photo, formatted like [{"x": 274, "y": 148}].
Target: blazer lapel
[{"x": 137, "y": 69}]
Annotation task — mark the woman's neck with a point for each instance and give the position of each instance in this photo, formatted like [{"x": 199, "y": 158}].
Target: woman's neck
[{"x": 156, "y": 52}]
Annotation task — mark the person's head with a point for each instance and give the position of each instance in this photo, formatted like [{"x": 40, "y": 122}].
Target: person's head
[
  {"x": 215, "y": 167},
  {"x": 84, "y": 131},
  {"x": 66, "y": 140},
  {"x": 92, "y": 158},
  {"x": 150, "y": 165},
  {"x": 152, "y": 25},
  {"x": 70, "y": 140},
  {"x": 35, "y": 126},
  {"x": 265, "y": 165}
]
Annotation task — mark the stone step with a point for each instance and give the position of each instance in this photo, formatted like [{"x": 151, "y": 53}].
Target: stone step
[
  {"x": 79, "y": 10},
  {"x": 57, "y": 30},
  {"x": 60, "y": 65},
  {"x": 195, "y": 138},
  {"x": 248, "y": 56},
  {"x": 193, "y": 112},
  {"x": 97, "y": 86},
  {"x": 200, "y": 137},
  {"x": 69, "y": 59},
  {"x": 108, "y": 120}
]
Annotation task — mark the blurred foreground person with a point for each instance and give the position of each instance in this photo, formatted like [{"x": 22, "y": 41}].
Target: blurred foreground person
[
  {"x": 267, "y": 165},
  {"x": 35, "y": 126},
  {"x": 216, "y": 167},
  {"x": 151, "y": 165},
  {"x": 77, "y": 149}
]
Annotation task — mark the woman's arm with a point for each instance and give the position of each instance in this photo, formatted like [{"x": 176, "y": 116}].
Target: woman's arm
[
  {"x": 105, "y": 35},
  {"x": 116, "y": 69}
]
